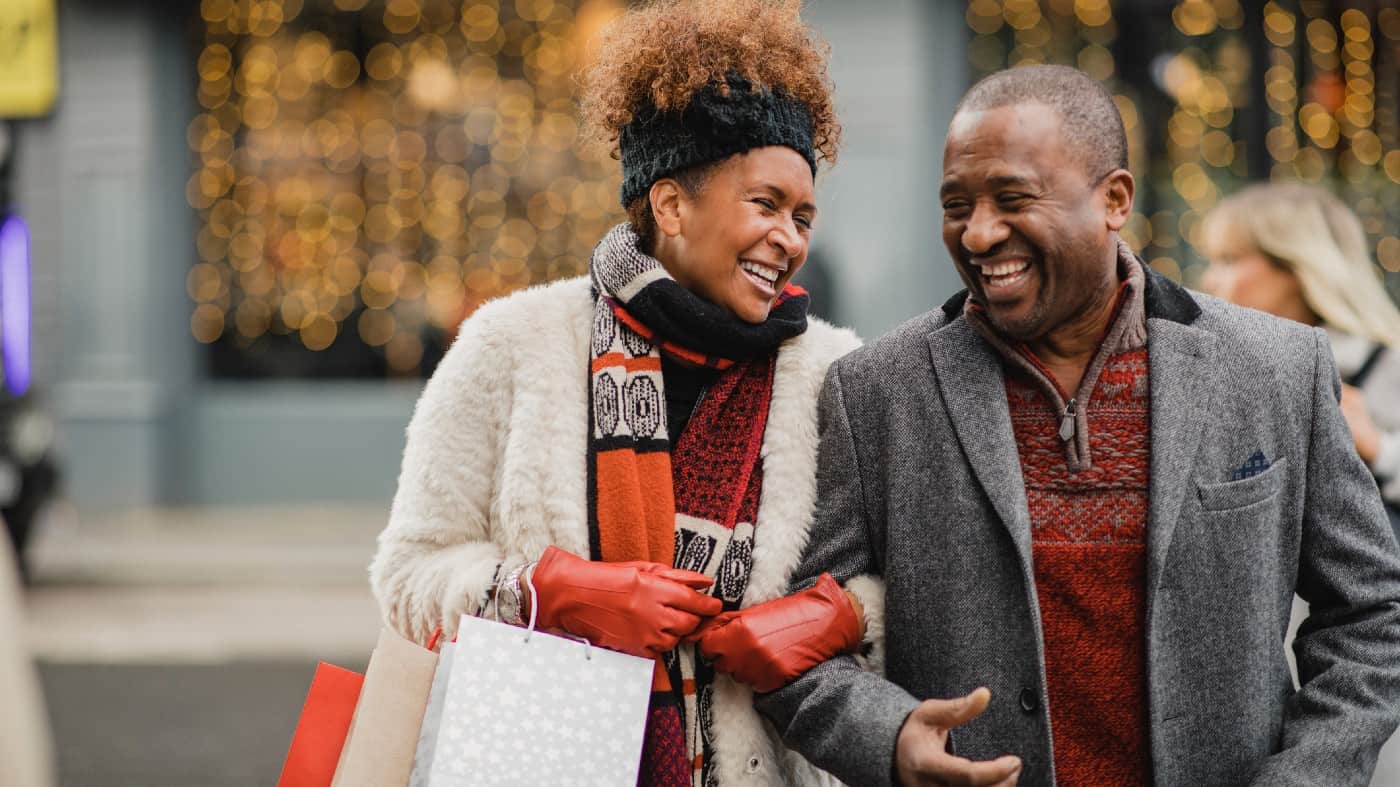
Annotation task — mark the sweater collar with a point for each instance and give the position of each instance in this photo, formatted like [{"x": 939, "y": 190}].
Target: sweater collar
[{"x": 1127, "y": 330}]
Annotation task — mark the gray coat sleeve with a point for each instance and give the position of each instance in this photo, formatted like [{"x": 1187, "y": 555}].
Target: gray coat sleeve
[
  {"x": 1348, "y": 649},
  {"x": 840, "y": 717}
]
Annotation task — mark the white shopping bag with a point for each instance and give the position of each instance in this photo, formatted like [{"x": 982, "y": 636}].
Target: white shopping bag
[
  {"x": 432, "y": 718},
  {"x": 523, "y": 708}
]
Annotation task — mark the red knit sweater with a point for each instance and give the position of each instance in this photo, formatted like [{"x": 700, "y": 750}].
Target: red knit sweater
[{"x": 1088, "y": 537}]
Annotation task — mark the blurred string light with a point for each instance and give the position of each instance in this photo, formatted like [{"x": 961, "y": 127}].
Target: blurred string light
[
  {"x": 370, "y": 171},
  {"x": 1080, "y": 33},
  {"x": 1331, "y": 78},
  {"x": 1204, "y": 70},
  {"x": 1332, "y": 95}
]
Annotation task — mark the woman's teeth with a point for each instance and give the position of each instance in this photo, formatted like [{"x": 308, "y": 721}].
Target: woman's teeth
[
  {"x": 763, "y": 272},
  {"x": 763, "y": 277}
]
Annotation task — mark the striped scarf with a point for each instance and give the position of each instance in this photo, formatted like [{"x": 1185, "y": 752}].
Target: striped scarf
[{"x": 693, "y": 507}]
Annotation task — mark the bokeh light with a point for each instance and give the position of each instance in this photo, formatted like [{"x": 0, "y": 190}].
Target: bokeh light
[
  {"x": 1186, "y": 88},
  {"x": 370, "y": 173}
]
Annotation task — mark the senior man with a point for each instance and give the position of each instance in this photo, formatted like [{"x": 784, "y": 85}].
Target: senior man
[{"x": 1092, "y": 495}]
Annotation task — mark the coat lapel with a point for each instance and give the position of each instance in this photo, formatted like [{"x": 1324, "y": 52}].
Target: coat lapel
[
  {"x": 973, "y": 386},
  {"x": 788, "y": 501},
  {"x": 1182, "y": 382}
]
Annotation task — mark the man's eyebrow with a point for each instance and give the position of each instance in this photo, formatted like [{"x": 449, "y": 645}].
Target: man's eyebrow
[
  {"x": 1009, "y": 180},
  {"x": 995, "y": 181}
]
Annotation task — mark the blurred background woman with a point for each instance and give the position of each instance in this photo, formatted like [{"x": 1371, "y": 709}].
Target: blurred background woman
[
  {"x": 639, "y": 445},
  {"x": 1298, "y": 252}
]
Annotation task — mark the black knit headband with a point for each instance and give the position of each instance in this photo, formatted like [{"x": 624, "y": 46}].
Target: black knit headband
[{"x": 713, "y": 126}]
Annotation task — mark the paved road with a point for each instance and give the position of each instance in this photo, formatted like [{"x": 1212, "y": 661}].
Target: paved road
[
  {"x": 178, "y": 725},
  {"x": 176, "y": 647}
]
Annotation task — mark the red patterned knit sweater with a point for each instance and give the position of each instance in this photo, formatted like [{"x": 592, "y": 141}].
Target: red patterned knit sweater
[
  {"x": 1087, "y": 497},
  {"x": 1088, "y": 533}
]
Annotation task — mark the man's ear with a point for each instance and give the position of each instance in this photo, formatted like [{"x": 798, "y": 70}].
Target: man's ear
[
  {"x": 1118, "y": 189},
  {"x": 666, "y": 197}
]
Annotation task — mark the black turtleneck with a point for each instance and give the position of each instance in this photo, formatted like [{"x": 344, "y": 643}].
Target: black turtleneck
[{"x": 685, "y": 384}]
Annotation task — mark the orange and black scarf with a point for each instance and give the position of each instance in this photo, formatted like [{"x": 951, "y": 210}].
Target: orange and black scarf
[{"x": 694, "y": 505}]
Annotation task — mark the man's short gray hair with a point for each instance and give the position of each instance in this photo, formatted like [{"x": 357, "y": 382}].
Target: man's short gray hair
[{"x": 1092, "y": 124}]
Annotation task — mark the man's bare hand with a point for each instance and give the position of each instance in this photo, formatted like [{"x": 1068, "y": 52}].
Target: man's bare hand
[{"x": 921, "y": 751}]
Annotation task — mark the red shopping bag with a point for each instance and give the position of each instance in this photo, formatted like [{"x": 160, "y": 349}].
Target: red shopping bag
[{"x": 320, "y": 734}]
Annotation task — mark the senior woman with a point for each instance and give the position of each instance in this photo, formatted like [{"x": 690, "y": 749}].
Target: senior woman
[
  {"x": 641, "y": 443},
  {"x": 1296, "y": 251}
]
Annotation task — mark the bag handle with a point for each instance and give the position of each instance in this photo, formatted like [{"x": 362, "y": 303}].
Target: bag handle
[
  {"x": 529, "y": 577},
  {"x": 529, "y": 631},
  {"x": 534, "y": 611}
]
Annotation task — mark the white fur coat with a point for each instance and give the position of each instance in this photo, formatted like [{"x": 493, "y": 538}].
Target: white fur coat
[{"x": 495, "y": 470}]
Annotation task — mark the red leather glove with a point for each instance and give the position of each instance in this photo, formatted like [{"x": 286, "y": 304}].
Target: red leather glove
[
  {"x": 769, "y": 644},
  {"x": 638, "y": 607}
]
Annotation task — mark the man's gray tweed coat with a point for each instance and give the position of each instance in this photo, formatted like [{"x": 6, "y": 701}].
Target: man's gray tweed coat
[{"x": 920, "y": 482}]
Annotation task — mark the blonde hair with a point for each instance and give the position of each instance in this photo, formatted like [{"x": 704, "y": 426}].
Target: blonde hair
[{"x": 1318, "y": 239}]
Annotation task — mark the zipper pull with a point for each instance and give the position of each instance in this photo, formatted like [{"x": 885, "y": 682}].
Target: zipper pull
[{"x": 1067, "y": 423}]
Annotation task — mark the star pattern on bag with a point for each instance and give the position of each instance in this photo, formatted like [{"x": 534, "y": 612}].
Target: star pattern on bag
[{"x": 549, "y": 710}]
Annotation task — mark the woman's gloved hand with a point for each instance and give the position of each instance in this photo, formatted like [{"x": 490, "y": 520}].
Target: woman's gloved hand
[
  {"x": 769, "y": 644},
  {"x": 637, "y": 607}
]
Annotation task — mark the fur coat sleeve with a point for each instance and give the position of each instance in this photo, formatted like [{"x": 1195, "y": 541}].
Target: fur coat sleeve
[{"x": 436, "y": 559}]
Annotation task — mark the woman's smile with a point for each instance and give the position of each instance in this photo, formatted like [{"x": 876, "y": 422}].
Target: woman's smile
[{"x": 764, "y": 277}]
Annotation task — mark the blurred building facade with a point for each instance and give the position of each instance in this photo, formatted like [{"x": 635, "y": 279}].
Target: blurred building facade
[{"x": 256, "y": 224}]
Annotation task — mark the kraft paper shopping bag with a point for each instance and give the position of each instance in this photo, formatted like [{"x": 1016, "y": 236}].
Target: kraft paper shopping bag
[{"x": 384, "y": 733}]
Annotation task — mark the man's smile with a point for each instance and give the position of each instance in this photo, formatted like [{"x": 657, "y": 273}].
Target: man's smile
[{"x": 1004, "y": 278}]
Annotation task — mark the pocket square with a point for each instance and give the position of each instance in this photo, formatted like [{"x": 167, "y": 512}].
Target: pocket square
[{"x": 1254, "y": 465}]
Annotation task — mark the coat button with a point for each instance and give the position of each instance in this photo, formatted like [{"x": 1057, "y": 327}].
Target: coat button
[{"x": 1029, "y": 701}]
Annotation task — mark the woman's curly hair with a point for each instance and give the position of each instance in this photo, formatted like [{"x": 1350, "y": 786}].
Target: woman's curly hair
[{"x": 667, "y": 50}]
